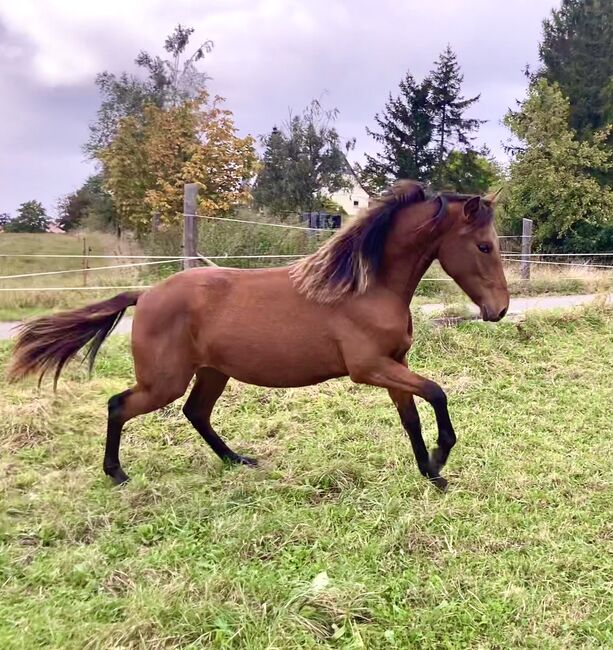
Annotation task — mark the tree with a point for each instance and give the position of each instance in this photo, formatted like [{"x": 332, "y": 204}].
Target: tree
[
  {"x": 552, "y": 176},
  {"x": 271, "y": 187},
  {"x": 5, "y": 218},
  {"x": 301, "y": 163},
  {"x": 451, "y": 129},
  {"x": 147, "y": 163},
  {"x": 406, "y": 130},
  {"x": 576, "y": 53},
  {"x": 168, "y": 82},
  {"x": 91, "y": 202},
  {"x": 421, "y": 127},
  {"x": 471, "y": 172},
  {"x": 31, "y": 217}
]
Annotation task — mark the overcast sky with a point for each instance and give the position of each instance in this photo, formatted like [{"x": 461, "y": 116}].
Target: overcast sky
[{"x": 269, "y": 55}]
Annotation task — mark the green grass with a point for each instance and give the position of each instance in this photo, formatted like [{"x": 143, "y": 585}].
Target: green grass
[
  {"x": 336, "y": 541},
  {"x": 18, "y": 304}
]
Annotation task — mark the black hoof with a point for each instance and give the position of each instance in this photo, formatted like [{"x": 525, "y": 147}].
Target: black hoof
[
  {"x": 241, "y": 460},
  {"x": 440, "y": 483},
  {"x": 118, "y": 476}
]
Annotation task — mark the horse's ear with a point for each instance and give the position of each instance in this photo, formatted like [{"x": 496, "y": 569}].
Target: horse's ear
[
  {"x": 492, "y": 197},
  {"x": 471, "y": 208}
]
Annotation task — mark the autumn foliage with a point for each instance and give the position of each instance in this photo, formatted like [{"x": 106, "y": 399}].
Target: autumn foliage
[{"x": 150, "y": 159}]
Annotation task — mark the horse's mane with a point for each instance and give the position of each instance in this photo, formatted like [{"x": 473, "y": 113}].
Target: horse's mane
[{"x": 349, "y": 261}]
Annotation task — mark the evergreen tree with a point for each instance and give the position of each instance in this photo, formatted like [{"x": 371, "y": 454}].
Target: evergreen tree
[
  {"x": 405, "y": 134},
  {"x": 270, "y": 187},
  {"x": 302, "y": 162},
  {"x": 452, "y": 130},
  {"x": 577, "y": 53},
  {"x": 422, "y": 127},
  {"x": 471, "y": 172}
]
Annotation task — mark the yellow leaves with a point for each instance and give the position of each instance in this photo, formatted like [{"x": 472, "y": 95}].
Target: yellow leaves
[{"x": 148, "y": 163}]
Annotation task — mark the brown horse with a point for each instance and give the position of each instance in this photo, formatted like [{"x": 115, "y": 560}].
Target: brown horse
[{"x": 343, "y": 310}]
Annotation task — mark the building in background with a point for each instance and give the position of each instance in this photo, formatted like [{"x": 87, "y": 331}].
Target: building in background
[{"x": 353, "y": 199}]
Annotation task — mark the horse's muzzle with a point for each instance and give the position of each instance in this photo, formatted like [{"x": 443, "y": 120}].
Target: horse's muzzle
[{"x": 492, "y": 316}]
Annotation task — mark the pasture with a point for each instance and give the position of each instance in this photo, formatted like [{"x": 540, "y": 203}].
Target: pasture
[
  {"x": 336, "y": 540},
  {"x": 18, "y": 304}
]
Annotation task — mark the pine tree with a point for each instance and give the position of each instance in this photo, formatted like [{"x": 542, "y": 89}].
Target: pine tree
[
  {"x": 406, "y": 135},
  {"x": 422, "y": 127},
  {"x": 576, "y": 53},
  {"x": 269, "y": 190},
  {"x": 302, "y": 162},
  {"x": 451, "y": 129}
]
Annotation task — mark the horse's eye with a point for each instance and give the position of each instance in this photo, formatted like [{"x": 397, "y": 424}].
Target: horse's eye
[{"x": 485, "y": 248}]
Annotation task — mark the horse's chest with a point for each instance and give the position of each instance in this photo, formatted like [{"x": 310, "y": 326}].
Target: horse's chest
[{"x": 395, "y": 334}]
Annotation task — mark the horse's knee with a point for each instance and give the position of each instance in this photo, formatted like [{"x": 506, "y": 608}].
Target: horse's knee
[
  {"x": 436, "y": 396},
  {"x": 116, "y": 403}
]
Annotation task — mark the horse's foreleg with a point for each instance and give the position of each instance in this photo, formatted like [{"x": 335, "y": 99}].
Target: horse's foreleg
[
  {"x": 405, "y": 404},
  {"x": 124, "y": 407},
  {"x": 402, "y": 384},
  {"x": 209, "y": 386}
]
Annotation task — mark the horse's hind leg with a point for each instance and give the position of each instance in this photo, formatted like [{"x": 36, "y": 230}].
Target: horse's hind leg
[
  {"x": 209, "y": 386},
  {"x": 124, "y": 407}
]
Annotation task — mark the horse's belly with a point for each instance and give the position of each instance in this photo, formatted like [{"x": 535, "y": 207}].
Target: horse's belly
[{"x": 277, "y": 360}]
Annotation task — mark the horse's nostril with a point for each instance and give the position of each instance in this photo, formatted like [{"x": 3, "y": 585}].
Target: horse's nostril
[{"x": 502, "y": 313}]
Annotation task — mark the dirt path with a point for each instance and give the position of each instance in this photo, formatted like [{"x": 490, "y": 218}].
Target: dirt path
[
  {"x": 517, "y": 306},
  {"x": 521, "y": 305}
]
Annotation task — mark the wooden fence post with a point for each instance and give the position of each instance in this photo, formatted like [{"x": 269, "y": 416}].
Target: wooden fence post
[
  {"x": 190, "y": 227},
  {"x": 526, "y": 248},
  {"x": 85, "y": 262}
]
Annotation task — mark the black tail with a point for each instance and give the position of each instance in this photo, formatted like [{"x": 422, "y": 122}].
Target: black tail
[{"x": 51, "y": 341}]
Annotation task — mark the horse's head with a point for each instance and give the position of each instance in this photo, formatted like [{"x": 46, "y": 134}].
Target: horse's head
[{"x": 469, "y": 252}]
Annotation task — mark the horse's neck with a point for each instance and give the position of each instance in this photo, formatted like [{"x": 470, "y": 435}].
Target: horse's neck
[{"x": 404, "y": 266}]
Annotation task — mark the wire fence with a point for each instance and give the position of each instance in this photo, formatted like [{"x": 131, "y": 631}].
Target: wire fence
[{"x": 510, "y": 245}]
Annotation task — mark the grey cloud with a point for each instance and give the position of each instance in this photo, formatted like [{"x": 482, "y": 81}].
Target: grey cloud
[{"x": 269, "y": 56}]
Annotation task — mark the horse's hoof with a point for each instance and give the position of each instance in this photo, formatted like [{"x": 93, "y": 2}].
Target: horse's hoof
[
  {"x": 119, "y": 477},
  {"x": 245, "y": 460},
  {"x": 440, "y": 483},
  {"x": 237, "y": 459}
]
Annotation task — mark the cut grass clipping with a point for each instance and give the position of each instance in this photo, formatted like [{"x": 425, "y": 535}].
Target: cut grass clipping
[{"x": 336, "y": 541}]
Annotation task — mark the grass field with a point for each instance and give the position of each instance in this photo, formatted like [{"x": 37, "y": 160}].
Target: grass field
[
  {"x": 335, "y": 541},
  {"x": 21, "y": 304}
]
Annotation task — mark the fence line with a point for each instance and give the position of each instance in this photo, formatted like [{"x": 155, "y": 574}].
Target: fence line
[
  {"x": 220, "y": 257},
  {"x": 174, "y": 260},
  {"x": 100, "y": 288},
  {"x": 95, "y": 268},
  {"x": 559, "y": 254},
  {"x": 587, "y": 266},
  {"x": 146, "y": 286},
  {"x": 261, "y": 223}
]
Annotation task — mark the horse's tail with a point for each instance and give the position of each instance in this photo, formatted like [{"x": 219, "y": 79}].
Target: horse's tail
[{"x": 49, "y": 342}]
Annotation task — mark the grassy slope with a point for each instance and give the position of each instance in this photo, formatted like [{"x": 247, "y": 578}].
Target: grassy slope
[
  {"x": 518, "y": 554},
  {"x": 21, "y": 304}
]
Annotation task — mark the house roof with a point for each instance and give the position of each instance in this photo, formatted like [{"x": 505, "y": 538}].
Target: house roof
[{"x": 351, "y": 172}]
